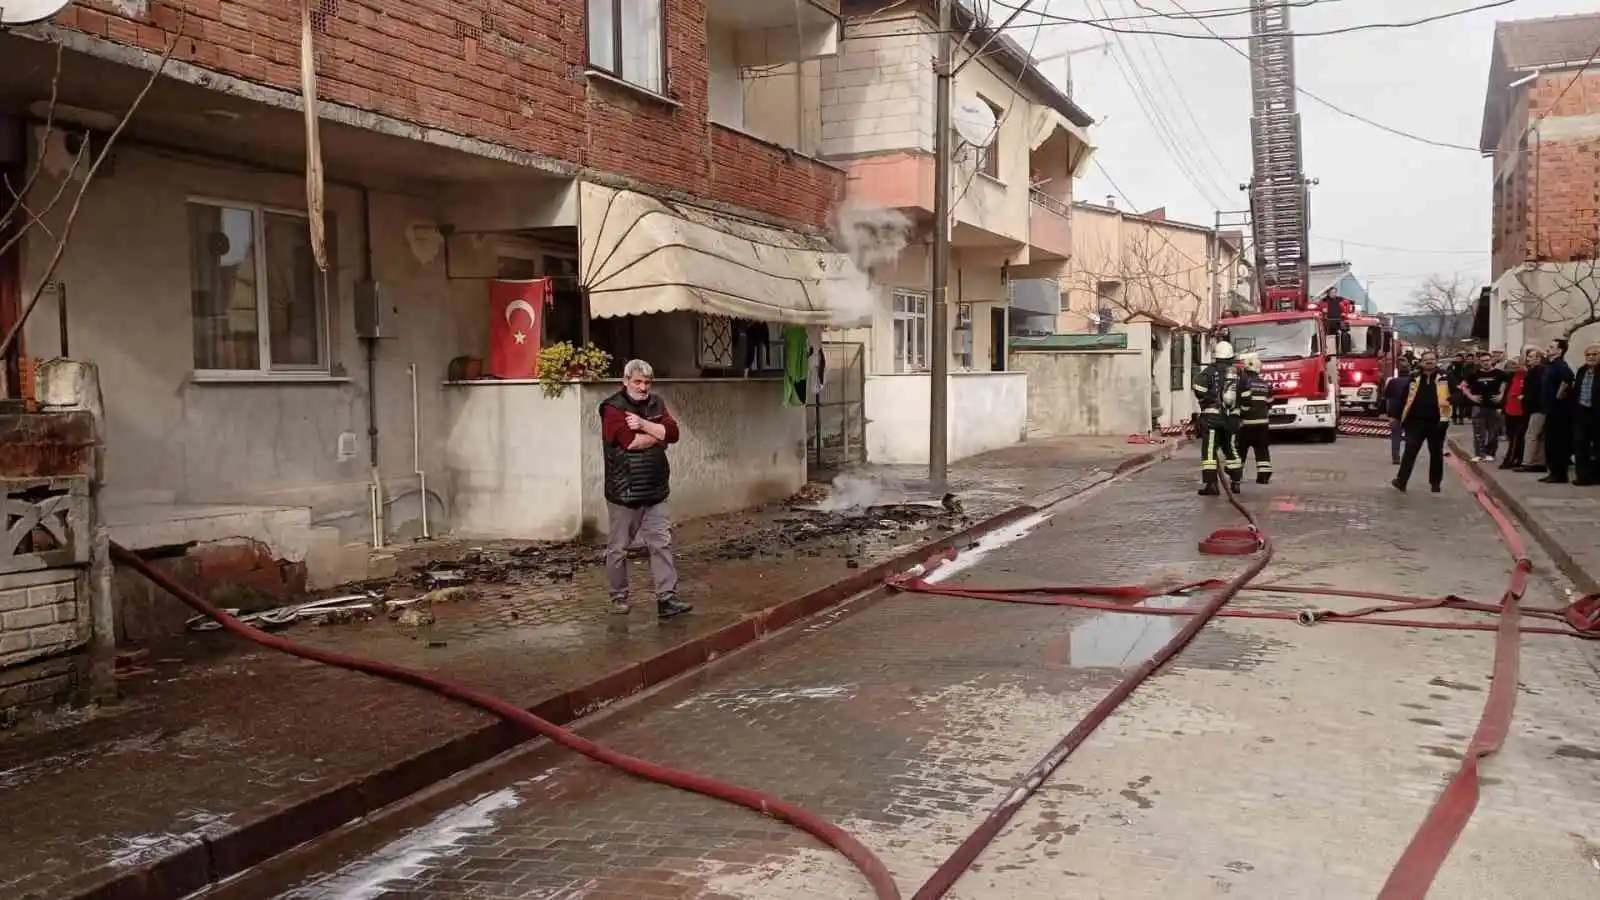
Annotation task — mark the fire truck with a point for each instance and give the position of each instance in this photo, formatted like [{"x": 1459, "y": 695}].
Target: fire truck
[
  {"x": 1290, "y": 333},
  {"x": 1370, "y": 356}
]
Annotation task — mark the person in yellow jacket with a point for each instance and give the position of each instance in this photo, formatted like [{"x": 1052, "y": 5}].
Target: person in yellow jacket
[{"x": 1425, "y": 418}]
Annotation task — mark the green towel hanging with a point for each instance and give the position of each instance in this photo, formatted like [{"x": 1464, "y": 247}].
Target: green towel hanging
[{"x": 795, "y": 365}]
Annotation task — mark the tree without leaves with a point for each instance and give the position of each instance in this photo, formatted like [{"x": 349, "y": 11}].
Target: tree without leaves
[
  {"x": 21, "y": 219},
  {"x": 1443, "y": 310},
  {"x": 1150, "y": 274},
  {"x": 1569, "y": 299}
]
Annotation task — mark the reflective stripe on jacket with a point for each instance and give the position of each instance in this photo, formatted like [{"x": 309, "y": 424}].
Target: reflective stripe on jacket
[{"x": 1442, "y": 389}]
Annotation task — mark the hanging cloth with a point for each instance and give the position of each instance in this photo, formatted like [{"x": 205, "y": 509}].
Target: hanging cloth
[{"x": 796, "y": 364}]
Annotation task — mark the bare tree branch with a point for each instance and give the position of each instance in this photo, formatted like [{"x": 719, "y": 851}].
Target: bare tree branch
[
  {"x": 1145, "y": 274},
  {"x": 1444, "y": 309},
  {"x": 1563, "y": 294},
  {"x": 44, "y": 141},
  {"x": 61, "y": 242}
]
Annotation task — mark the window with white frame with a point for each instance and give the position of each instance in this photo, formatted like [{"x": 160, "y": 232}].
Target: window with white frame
[
  {"x": 910, "y": 316},
  {"x": 256, "y": 296},
  {"x": 627, "y": 40}
]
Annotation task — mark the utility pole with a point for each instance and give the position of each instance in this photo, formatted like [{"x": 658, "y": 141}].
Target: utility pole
[
  {"x": 1216, "y": 269},
  {"x": 939, "y": 320}
]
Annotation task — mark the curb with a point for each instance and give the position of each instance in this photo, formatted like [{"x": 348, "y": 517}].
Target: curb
[
  {"x": 217, "y": 857},
  {"x": 1580, "y": 577}
]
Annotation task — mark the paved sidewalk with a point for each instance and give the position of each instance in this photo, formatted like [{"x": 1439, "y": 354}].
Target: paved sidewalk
[
  {"x": 1565, "y": 519},
  {"x": 221, "y": 736}
]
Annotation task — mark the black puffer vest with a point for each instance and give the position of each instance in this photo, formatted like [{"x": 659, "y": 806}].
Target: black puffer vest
[{"x": 637, "y": 478}]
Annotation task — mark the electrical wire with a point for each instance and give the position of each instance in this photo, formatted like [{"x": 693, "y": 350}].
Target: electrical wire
[
  {"x": 1213, "y": 36},
  {"x": 1334, "y": 106},
  {"x": 1576, "y": 77},
  {"x": 1324, "y": 238},
  {"x": 1016, "y": 87},
  {"x": 1196, "y": 170},
  {"x": 1199, "y": 130}
]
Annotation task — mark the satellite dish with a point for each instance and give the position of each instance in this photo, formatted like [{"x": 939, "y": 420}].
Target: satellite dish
[
  {"x": 27, "y": 12},
  {"x": 974, "y": 121}
]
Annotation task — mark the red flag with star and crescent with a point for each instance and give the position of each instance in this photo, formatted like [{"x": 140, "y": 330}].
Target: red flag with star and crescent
[{"x": 516, "y": 308}]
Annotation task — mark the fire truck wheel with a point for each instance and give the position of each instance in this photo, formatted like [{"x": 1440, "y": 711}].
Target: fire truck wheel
[{"x": 1328, "y": 435}]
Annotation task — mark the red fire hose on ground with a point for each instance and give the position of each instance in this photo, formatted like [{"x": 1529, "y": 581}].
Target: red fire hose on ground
[
  {"x": 876, "y": 873},
  {"x": 1413, "y": 875}
]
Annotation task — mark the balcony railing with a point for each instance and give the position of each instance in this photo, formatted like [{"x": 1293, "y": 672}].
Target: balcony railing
[{"x": 1059, "y": 207}]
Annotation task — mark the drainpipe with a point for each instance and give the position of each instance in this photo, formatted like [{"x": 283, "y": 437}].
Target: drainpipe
[{"x": 375, "y": 484}]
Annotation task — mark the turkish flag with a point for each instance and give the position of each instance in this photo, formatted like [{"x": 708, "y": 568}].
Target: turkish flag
[{"x": 516, "y": 309}]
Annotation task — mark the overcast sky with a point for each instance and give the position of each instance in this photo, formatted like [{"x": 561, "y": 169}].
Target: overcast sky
[{"x": 1375, "y": 188}]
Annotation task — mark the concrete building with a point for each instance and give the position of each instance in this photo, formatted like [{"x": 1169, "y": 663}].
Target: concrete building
[
  {"x": 1541, "y": 125},
  {"x": 251, "y": 395},
  {"x": 1011, "y": 215},
  {"x": 1160, "y": 281}
]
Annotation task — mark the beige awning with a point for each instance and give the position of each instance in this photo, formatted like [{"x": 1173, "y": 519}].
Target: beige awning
[
  {"x": 644, "y": 255},
  {"x": 1046, "y": 122}
]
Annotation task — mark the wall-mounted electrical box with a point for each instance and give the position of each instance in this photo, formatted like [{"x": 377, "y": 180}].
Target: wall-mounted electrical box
[{"x": 376, "y": 316}]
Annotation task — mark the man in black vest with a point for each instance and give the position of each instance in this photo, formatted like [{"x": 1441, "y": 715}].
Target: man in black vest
[{"x": 636, "y": 429}]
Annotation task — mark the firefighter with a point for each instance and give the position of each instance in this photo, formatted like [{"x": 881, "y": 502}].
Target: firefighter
[
  {"x": 1253, "y": 431},
  {"x": 1222, "y": 393}
]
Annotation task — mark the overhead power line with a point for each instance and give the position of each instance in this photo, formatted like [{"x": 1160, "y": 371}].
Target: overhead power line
[{"x": 1213, "y": 36}]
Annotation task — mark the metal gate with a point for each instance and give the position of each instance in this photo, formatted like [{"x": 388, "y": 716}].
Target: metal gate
[{"x": 838, "y": 415}]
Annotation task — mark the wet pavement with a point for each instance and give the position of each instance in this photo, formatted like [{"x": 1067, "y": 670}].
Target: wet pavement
[
  {"x": 1566, "y": 517},
  {"x": 218, "y": 735},
  {"x": 1269, "y": 761}
]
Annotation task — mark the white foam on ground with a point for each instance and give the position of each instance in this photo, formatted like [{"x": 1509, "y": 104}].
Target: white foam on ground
[
  {"x": 987, "y": 544},
  {"x": 410, "y": 855}
]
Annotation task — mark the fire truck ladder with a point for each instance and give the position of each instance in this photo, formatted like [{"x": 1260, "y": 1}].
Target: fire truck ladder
[{"x": 1278, "y": 185}]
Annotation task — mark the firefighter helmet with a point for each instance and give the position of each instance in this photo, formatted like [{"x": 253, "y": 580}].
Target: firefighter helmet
[{"x": 1223, "y": 351}]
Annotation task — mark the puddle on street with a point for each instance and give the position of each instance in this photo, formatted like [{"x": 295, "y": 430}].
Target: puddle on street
[{"x": 1118, "y": 640}]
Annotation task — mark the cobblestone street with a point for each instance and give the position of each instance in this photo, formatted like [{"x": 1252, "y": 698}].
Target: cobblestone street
[
  {"x": 1268, "y": 761},
  {"x": 223, "y": 735}
]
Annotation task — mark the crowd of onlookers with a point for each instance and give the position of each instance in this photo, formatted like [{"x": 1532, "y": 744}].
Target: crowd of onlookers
[{"x": 1546, "y": 412}]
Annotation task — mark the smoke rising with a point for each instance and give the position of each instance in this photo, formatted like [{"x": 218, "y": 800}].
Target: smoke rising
[{"x": 871, "y": 236}]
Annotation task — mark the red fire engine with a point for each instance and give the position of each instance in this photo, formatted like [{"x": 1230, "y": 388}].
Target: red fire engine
[{"x": 1370, "y": 357}]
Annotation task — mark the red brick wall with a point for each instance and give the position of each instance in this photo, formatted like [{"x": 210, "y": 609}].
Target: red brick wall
[
  {"x": 505, "y": 71},
  {"x": 1558, "y": 216}
]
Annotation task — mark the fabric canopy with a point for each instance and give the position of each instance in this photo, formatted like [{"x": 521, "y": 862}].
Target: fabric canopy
[{"x": 644, "y": 255}]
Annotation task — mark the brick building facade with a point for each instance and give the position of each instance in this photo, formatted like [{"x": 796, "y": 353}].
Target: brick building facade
[
  {"x": 1541, "y": 126},
  {"x": 512, "y": 73}
]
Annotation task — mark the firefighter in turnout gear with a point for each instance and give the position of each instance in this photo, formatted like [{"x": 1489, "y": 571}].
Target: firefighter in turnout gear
[
  {"x": 1222, "y": 393},
  {"x": 1253, "y": 430}
]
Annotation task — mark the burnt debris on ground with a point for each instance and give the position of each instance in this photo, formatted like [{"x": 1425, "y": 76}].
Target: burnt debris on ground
[{"x": 853, "y": 518}]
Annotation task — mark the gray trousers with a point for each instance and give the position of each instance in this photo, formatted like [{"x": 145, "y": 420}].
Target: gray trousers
[
  {"x": 1487, "y": 425},
  {"x": 1533, "y": 443},
  {"x": 649, "y": 525}
]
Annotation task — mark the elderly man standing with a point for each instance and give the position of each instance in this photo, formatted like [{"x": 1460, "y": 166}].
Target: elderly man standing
[{"x": 636, "y": 429}]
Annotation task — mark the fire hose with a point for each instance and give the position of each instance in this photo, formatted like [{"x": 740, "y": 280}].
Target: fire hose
[
  {"x": 1412, "y": 875},
  {"x": 876, "y": 873}
]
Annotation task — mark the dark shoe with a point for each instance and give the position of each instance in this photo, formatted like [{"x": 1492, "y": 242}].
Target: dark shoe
[
  {"x": 1434, "y": 488},
  {"x": 1584, "y": 482},
  {"x": 1530, "y": 468},
  {"x": 1398, "y": 485},
  {"x": 1264, "y": 479},
  {"x": 1551, "y": 479},
  {"x": 667, "y": 607},
  {"x": 1210, "y": 490},
  {"x": 620, "y": 606}
]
